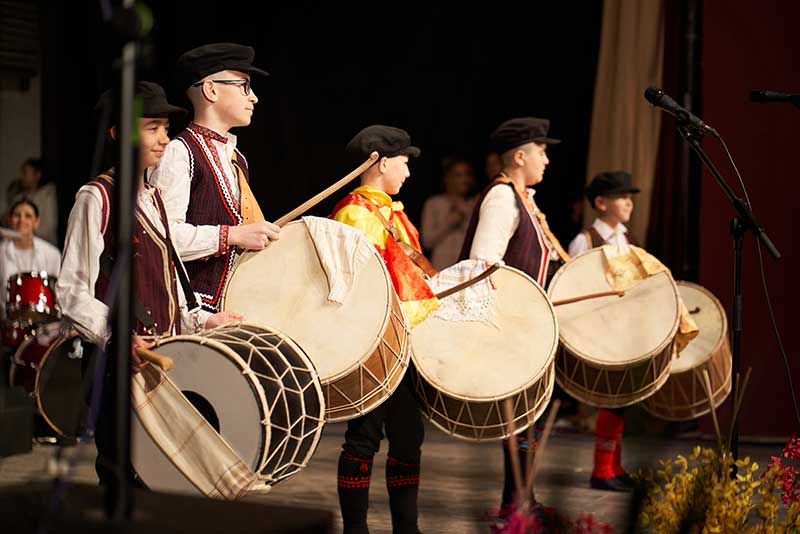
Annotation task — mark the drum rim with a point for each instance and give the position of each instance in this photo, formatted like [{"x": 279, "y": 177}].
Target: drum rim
[
  {"x": 247, "y": 372},
  {"x": 548, "y": 362},
  {"x": 723, "y": 332},
  {"x": 549, "y": 396},
  {"x": 316, "y": 384},
  {"x": 61, "y": 339},
  {"x": 317, "y": 435},
  {"x": 390, "y": 294},
  {"x": 661, "y": 346}
]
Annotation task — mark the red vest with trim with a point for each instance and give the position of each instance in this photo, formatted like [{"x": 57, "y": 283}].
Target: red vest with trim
[{"x": 155, "y": 283}]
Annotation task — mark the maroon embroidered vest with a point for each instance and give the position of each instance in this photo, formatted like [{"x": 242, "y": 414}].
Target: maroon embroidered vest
[
  {"x": 210, "y": 203},
  {"x": 155, "y": 283},
  {"x": 526, "y": 249}
]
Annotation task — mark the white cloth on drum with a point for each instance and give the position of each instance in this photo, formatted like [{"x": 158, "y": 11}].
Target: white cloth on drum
[
  {"x": 475, "y": 303},
  {"x": 186, "y": 438},
  {"x": 342, "y": 250}
]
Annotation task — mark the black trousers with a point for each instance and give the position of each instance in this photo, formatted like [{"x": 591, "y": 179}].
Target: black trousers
[{"x": 399, "y": 417}]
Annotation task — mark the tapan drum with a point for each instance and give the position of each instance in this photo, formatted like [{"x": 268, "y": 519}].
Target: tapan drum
[
  {"x": 259, "y": 391},
  {"x": 615, "y": 351},
  {"x": 465, "y": 370},
  {"x": 684, "y": 396},
  {"x": 359, "y": 347}
]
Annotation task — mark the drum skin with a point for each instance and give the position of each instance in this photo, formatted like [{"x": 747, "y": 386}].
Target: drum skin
[{"x": 464, "y": 371}]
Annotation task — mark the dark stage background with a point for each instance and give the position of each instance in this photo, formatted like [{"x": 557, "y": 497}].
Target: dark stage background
[{"x": 448, "y": 76}]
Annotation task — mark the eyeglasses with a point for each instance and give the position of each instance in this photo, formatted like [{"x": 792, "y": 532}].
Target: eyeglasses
[{"x": 243, "y": 83}]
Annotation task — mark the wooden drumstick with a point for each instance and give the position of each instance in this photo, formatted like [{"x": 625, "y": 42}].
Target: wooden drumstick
[
  {"x": 589, "y": 296},
  {"x": 508, "y": 412},
  {"x": 319, "y": 197},
  {"x": 536, "y": 462},
  {"x": 164, "y": 362}
]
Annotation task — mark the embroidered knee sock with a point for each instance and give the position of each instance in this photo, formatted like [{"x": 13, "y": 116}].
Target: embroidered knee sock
[
  {"x": 402, "y": 481},
  {"x": 353, "y": 485}
]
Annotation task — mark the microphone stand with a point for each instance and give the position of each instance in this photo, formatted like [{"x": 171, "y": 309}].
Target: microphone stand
[{"x": 743, "y": 221}]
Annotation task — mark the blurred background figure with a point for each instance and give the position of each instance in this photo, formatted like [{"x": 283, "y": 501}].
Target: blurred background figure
[
  {"x": 492, "y": 166},
  {"x": 445, "y": 216},
  {"x": 41, "y": 192}
]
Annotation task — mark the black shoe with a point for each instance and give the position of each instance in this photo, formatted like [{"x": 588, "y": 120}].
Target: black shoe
[
  {"x": 626, "y": 479},
  {"x": 609, "y": 484}
]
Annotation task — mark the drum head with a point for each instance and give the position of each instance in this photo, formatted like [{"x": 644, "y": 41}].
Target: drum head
[
  {"x": 613, "y": 332},
  {"x": 710, "y": 317},
  {"x": 211, "y": 377},
  {"x": 58, "y": 386},
  {"x": 285, "y": 287},
  {"x": 474, "y": 360}
]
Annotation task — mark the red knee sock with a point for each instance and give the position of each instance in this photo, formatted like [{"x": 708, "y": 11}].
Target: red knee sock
[{"x": 608, "y": 434}]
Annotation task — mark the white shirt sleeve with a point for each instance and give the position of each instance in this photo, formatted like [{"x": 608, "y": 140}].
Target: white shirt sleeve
[
  {"x": 173, "y": 178},
  {"x": 578, "y": 245},
  {"x": 498, "y": 220},
  {"x": 80, "y": 267}
]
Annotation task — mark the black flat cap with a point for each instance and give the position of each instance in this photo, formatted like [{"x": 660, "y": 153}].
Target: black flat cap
[
  {"x": 386, "y": 140},
  {"x": 520, "y": 131},
  {"x": 153, "y": 97},
  {"x": 199, "y": 62},
  {"x": 610, "y": 183}
]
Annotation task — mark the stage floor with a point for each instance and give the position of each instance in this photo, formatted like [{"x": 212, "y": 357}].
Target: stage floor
[{"x": 460, "y": 480}]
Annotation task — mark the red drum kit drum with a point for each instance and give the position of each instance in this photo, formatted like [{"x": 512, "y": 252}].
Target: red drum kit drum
[{"x": 46, "y": 362}]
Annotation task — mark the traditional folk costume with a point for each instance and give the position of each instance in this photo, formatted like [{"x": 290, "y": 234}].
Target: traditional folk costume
[
  {"x": 623, "y": 255},
  {"x": 204, "y": 180},
  {"x": 507, "y": 225},
  {"x": 88, "y": 260},
  {"x": 399, "y": 415}
]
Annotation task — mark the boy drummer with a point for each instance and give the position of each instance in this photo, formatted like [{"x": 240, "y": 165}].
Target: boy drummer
[{"x": 370, "y": 208}]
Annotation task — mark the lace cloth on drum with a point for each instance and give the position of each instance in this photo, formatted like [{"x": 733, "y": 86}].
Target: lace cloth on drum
[
  {"x": 186, "y": 438},
  {"x": 475, "y": 303},
  {"x": 624, "y": 271},
  {"x": 342, "y": 251}
]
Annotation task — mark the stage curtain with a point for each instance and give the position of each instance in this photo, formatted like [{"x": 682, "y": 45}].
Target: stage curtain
[{"x": 625, "y": 127}]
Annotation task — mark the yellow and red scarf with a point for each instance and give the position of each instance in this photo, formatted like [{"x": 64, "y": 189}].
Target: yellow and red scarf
[{"x": 354, "y": 209}]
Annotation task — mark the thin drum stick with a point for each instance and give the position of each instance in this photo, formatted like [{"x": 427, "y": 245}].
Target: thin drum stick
[
  {"x": 706, "y": 382},
  {"x": 319, "y": 197},
  {"x": 164, "y": 362},
  {"x": 516, "y": 468},
  {"x": 589, "y": 296},
  {"x": 537, "y": 462}
]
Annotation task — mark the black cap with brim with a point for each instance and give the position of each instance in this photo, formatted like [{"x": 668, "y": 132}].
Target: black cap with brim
[
  {"x": 208, "y": 59},
  {"x": 153, "y": 99},
  {"x": 386, "y": 140},
  {"x": 610, "y": 183},
  {"x": 514, "y": 133}
]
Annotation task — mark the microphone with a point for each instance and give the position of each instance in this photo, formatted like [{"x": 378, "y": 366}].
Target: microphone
[
  {"x": 659, "y": 99},
  {"x": 763, "y": 97}
]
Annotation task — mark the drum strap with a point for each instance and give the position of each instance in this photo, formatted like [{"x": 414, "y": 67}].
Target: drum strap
[{"x": 415, "y": 255}]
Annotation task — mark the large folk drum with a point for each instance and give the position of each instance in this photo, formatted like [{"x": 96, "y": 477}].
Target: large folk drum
[
  {"x": 465, "y": 370},
  {"x": 259, "y": 391},
  {"x": 615, "y": 351},
  {"x": 359, "y": 347},
  {"x": 684, "y": 396}
]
